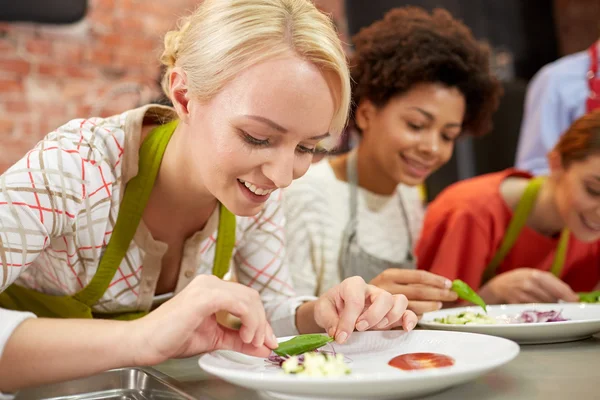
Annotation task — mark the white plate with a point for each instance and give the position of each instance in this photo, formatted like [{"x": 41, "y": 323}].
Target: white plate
[
  {"x": 372, "y": 377},
  {"x": 584, "y": 321}
]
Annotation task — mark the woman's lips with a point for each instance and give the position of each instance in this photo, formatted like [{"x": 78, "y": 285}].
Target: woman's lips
[{"x": 416, "y": 168}]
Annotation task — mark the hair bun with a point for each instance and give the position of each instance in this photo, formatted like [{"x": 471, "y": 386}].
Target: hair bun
[{"x": 172, "y": 44}]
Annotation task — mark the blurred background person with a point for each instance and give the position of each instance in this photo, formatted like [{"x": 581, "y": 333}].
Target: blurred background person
[{"x": 420, "y": 80}]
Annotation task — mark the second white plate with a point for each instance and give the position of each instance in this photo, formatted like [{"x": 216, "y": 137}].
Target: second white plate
[{"x": 584, "y": 321}]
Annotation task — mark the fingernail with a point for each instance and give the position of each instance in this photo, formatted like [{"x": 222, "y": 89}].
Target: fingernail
[
  {"x": 274, "y": 338},
  {"x": 410, "y": 326},
  {"x": 439, "y": 305},
  {"x": 384, "y": 322},
  {"x": 362, "y": 325},
  {"x": 448, "y": 283},
  {"x": 341, "y": 338},
  {"x": 331, "y": 332}
]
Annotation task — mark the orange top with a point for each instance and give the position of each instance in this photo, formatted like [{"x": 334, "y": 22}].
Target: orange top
[{"x": 464, "y": 228}]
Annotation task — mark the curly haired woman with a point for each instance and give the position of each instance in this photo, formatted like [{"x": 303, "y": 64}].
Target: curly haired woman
[{"x": 420, "y": 81}]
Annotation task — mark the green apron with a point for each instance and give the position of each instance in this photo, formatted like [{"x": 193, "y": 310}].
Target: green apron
[
  {"x": 517, "y": 223},
  {"x": 135, "y": 198}
]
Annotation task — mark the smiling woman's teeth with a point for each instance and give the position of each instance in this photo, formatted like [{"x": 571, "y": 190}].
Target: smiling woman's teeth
[{"x": 256, "y": 190}]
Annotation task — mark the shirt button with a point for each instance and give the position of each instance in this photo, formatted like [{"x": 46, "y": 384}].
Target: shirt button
[{"x": 189, "y": 273}]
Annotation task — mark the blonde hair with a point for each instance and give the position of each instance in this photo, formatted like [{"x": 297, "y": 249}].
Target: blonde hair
[{"x": 224, "y": 37}]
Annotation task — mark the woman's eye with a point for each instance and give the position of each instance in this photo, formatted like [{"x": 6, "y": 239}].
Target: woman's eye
[
  {"x": 448, "y": 138},
  {"x": 254, "y": 141},
  {"x": 305, "y": 150},
  {"x": 414, "y": 127},
  {"x": 592, "y": 192}
]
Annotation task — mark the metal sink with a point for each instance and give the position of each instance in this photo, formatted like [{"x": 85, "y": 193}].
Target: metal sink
[{"x": 121, "y": 384}]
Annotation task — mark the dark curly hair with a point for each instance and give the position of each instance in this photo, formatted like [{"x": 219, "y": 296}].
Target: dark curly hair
[{"x": 411, "y": 46}]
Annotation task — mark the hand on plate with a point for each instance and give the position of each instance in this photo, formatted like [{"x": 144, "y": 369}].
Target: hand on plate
[
  {"x": 186, "y": 325},
  {"x": 353, "y": 304},
  {"x": 527, "y": 285},
  {"x": 425, "y": 291}
]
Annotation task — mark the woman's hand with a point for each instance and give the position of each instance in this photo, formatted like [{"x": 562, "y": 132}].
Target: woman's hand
[
  {"x": 355, "y": 305},
  {"x": 527, "y": 285},
  {"x": 425, "y": 291},
  {"x": 186, "y": 325}
]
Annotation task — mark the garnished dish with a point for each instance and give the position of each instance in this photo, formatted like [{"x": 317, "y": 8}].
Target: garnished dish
[
  {"x": 523, "y": 323},
  {"x": 385, "y": 365},
  {"x": 301, "y": 356},
  {"x": 525, "y": 317}
]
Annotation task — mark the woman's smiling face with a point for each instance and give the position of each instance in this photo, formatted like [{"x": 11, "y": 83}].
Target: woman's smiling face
[
  {"x": 578, "y": 197},
  {"x": 413, "y": 134},
  {"x": 260, "y": 132}
]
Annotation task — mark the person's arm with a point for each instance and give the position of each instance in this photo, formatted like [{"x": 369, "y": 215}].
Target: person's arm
[
  {"x": 454, "y": 245},
  {"x": 50, "y": 350},
  {"x": 545, "y": 118}
]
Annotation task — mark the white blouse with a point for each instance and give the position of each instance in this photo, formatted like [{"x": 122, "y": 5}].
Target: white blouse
[{"x": 58, "y": 207}]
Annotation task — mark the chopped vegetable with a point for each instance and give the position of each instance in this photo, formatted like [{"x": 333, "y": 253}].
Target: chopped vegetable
[
  {"x": 467, "y": 318},
  {"x": 525, "y": 317},
  {"x": 302, "y": 344},
  {"x": 532, "y": 316},
  {"x": 316, "y": 364},
  {"x": 465, "y": 292}
]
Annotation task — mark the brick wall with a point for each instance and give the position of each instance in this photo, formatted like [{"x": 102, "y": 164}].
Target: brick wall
[{"x": 101, "y": 65}]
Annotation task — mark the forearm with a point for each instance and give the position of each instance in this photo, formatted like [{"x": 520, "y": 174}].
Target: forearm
[
  {"x": 305, "y": 318},
  {"x": 47, "y": 350}
]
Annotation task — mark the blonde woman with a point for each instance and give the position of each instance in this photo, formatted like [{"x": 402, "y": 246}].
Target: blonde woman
[{"x": 106, "y": 218}]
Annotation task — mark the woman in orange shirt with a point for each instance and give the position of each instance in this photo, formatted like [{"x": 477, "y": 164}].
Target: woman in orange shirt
[{"x": 518, "y": 239}]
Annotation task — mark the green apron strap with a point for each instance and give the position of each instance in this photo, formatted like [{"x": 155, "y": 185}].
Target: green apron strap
[
  {"x": 515, "y": 226},
  {"x": 137, "y": 193},
  {"x": 561, "y": 253},
  {"x": 225, "y": 242}
]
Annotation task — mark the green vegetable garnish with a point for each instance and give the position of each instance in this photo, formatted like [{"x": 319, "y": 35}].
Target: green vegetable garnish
[
  {"x": 302, "y": 344},
  {"x": 590, "y": 297},
  {"x": 465, "y": 292}
]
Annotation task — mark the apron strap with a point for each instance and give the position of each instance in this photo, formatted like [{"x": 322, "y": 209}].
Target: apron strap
[
  {"x": 225, "y": 242},
  {"x": 135, "y": 198},
  {"x": 352, "y": 177},
  {"x": 515, "y": 226},
  {"x": 561, "y": 253}
]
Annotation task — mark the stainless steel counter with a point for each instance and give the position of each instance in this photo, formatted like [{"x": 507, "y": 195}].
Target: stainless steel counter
[{"x": 556, "y": 371}]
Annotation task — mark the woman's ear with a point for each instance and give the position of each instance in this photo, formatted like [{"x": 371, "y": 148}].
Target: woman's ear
[
  {"x": 365, "y": 113},
  {"x": 179, "y": 93}
]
